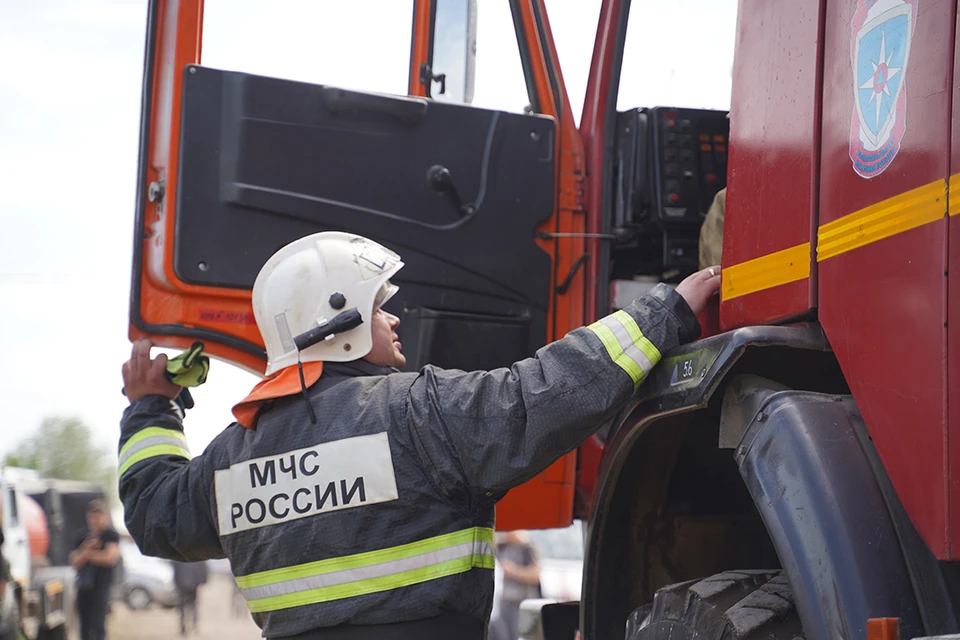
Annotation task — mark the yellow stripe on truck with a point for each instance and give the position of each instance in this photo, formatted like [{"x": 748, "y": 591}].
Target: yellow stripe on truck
[
  {"x": 888, "y": 218},
  {"x": 884, "y": 219},
  {"x": 766, "y": 271}
]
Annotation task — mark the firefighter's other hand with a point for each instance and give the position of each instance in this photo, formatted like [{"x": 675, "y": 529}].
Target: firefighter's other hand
[
  {"x": 697, "y": 288},
  {"x": 145, "y": 377}
]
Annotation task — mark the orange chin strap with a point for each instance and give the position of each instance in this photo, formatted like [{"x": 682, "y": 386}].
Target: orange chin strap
[{"x": 285, "y": 382}]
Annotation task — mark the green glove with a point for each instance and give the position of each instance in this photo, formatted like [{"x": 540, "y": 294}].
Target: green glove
[{"x": 190, "y": 368}]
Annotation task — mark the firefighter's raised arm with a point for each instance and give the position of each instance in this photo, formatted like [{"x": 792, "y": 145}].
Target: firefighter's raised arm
[
  {"x": 505, "y": 426},
  {"x": 164, "y": 492}
]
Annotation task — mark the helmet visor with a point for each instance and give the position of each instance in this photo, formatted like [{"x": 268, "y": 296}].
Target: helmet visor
[{"x": 387, "y": 291}]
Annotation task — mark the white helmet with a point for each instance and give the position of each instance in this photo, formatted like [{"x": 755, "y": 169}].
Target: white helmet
[{"x": 311, "y": 280}]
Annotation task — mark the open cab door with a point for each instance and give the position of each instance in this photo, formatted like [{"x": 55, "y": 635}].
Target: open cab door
[{"x": 479, "y": 203}]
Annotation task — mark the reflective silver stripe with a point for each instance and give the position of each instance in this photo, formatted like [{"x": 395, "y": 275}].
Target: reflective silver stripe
[
  {"x": 380, "y": 570},
  {"x": 152, "y": 441},
  {"x": 626, "y": 343}
]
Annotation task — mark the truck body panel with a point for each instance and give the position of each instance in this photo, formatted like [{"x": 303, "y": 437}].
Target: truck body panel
[
  {"x": 773, "y": 164},
  {"x": 951, "y": 381},
  {"x": 16, "y": 541},
  {"x": 882, "y": 241}
]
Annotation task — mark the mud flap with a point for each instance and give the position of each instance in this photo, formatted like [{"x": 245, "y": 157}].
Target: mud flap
[{"x": 810, "y": 474}]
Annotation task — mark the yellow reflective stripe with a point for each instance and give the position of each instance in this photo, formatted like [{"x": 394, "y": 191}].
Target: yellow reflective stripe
[
  {"x": 610, "y": 342},
  {"x": 368, "y": 558},
  {"x": 151, "y": 442},
  {"x": 151, "y": 432},
  {"x": 151, "y": 452},
  {"x": 369, "y": 572},
  {"x": 639, "y": 340},
  {"x": 626, "y": 345},
  {"x": 372, "y": 585},
  {"x": 884, "y": 219},
  {"x": 901, "y": 213},
  {"x": 766, "y": 271},
  {"x": 954, "y": 194},
  {"x": 615, "y": 351}
]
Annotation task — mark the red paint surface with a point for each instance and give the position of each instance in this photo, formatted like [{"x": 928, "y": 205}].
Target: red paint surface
[
  {"x": 592, "y": 123},
  {"x": 952, "y": 383},
  {"x": 882, "y": 305},
  {"x": 773, "y": 150}
]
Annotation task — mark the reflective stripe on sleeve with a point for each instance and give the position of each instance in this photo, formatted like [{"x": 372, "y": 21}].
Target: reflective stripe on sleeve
[
  {"x": 150, "y": 442},
  {"x": 370, "y": 572},
  {"x": 626, "y": 345}
]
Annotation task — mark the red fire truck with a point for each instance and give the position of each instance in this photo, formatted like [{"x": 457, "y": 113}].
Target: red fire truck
[{"x": 788, "y": 475}]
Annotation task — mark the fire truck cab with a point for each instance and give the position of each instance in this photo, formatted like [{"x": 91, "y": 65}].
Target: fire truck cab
[{"x": 790, "y": 474}]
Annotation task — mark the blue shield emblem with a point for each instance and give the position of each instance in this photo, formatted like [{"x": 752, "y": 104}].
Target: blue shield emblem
[{"x": 882, "y": 35}]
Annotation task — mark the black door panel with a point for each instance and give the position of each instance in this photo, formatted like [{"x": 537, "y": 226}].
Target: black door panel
[{"x": 264, "y": 161}]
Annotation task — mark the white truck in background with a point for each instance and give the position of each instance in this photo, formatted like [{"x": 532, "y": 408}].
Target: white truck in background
[{"x": 40, "y": 521}]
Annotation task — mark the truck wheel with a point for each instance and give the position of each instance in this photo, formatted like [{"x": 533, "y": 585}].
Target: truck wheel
[
  {"x": 138, "y": 599},
  {"x": 741, "y": 605}
]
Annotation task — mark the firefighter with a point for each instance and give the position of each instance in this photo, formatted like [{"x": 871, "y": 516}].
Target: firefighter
[{"x": 354, "y": 500}]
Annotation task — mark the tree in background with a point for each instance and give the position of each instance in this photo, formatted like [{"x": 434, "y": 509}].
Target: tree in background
[{"x": 63, "y": 448}]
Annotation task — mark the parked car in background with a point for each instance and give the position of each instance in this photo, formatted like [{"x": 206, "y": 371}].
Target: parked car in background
[
  {"x": 146, "y": 580},
  {"x": 560, "y": 555}
]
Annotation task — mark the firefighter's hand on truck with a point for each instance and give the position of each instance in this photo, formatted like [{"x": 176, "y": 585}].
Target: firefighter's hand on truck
[
  {"x": 696, "y": 289},
  {"x": 143, "y": 376}
]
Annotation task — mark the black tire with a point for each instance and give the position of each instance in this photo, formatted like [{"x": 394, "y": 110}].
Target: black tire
[{"x": 735, "y": 605}]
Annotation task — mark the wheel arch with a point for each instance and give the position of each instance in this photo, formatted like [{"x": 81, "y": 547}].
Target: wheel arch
[
  {"x": 668, "y": 444},
  {"x": 821, "y": 462}
]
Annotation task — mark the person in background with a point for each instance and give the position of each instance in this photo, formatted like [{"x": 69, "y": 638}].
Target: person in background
[
  {"x": 96, "y": 552},
  {"x": 521, "y": 578},
  {"x": 188, "y": 576}
]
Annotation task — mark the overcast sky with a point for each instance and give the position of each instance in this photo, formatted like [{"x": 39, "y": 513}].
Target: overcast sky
[{"x": 70, "y": 82}]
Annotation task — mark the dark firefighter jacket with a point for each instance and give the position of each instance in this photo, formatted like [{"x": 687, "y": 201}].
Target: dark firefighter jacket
[{"x": 383, "y": 511}]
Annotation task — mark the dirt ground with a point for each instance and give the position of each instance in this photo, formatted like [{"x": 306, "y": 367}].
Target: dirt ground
[{"x": 216, "y": 619}]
